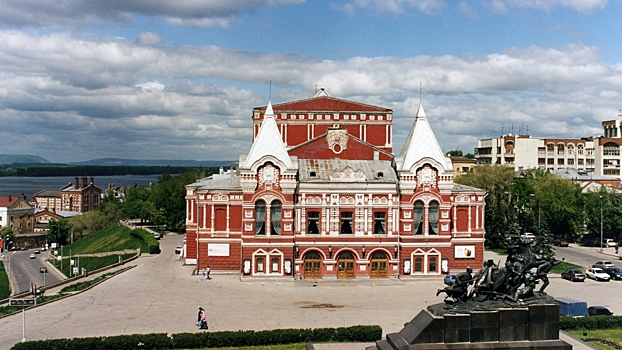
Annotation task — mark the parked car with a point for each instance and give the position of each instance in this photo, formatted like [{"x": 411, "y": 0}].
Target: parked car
[
  {"x": 610, "y": 243},
  {"x": 24, "y": 248},
  {"x": 603, "y": 264},
  {"x": 43, "y": 248},
  {"x": 37, "y": 251},
  {"x": 614, "y": 272},
  {"x": 528, "y": 235},
  {"x": 178, "y": 249},
  {"x": 450, "y": 279},
  {"x": 156, "y": 235},
  {"x": 597, "y": 274},
  {"x": 560, "y": 242},
  {"x": 33, "y": 256},
  {"x": 573, "y": 275},
  {"x": 43, "y": 269},
  {"x": 599, "y": 311}
]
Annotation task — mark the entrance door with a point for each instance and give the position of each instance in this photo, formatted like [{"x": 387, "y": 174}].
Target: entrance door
[
  {"x": 313, "y": 266},
  {"x": 346, "y": 266},
  {"x": 379, "y": 263}
]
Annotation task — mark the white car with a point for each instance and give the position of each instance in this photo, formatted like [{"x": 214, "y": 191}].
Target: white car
[
  {"x": 610, "y": 243},
  {"x": 603, "y": 264},
  {"x": 597, "y": 274}
]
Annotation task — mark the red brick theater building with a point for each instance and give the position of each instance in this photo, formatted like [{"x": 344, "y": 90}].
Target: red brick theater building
[{"x": 320, "y": 195}]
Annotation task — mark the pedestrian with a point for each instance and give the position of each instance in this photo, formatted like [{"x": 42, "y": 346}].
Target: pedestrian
[
  {"x": 203, "y": 320},
  {"x": 199, "y": 316},
  {"x": 203, "y": 274},
  {"x": 616, "y": 248},
  {"x": 209, "y": 270}
]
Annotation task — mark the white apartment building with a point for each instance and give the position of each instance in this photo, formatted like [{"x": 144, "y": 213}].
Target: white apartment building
[
  {"x": 523, "y": 152},
  {"x": 599, "y": 155}
]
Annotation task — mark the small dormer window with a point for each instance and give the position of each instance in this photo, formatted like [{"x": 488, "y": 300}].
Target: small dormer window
[
  {"x": 312, "y": 174},
  {"x": 380, "y": 174}
]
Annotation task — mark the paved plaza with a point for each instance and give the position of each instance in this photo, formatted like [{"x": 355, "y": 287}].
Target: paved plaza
[{"x": 160, "y": 295}]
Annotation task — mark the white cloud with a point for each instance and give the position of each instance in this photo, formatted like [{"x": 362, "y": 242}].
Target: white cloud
[
  {"x": 77, "y": 13},
  {"x": 582, "y": 6},
  {"x": 66, "y": 93},
  {"x": 393, "y": 6}
]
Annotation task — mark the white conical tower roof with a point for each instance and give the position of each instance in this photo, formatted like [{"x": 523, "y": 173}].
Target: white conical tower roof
[
  {"x": 421, "y": 143},
  {"x": 268, "y": 142}
]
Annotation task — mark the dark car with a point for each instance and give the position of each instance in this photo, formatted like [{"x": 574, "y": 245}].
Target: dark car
[
  {"x": 24, "y": 248},
  {"x": 560, "y": 242},
  {"x": 599, "y": 311},
  {"x": 614, "y": 272},
  {"x": 573, "y": 275},
  {"x": 450, "y": 279}
]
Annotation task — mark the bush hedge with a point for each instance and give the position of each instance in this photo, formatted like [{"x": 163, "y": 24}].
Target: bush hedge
[
  {"x": 209, "y": 340},
  {"x": 590, "y": 322},
  {"x": 152, "y": 246}
]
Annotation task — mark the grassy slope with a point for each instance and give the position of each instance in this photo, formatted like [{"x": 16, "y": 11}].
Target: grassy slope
[
  {"x": 112, "y": 238},
  {"x": 5, "y": 289}
]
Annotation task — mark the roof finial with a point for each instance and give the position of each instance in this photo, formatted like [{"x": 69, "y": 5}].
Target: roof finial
[{"x": 419, "y": 92}]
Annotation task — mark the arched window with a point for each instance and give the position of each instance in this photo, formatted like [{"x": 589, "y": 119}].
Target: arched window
[
  {"x": 550, "y": 148},
  {"x": 418, "y": 228},
  {"x": 560, "y": 148},
  {"x": 260, "y": 218},
  {"x": 580, "y": 149},
  {"x": 433, "y": 219},
  {"x": 570, "y": 149},
  {"x": 275, "y": 218}
]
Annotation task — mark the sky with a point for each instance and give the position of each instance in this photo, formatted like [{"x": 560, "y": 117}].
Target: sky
[{"x": 163, "y": 79}]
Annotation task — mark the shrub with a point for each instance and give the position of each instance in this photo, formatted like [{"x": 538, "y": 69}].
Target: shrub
[{"x": 590, "y": 322}]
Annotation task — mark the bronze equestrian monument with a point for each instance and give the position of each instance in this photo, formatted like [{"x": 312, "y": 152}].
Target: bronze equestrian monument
[{"x": 496, "y": 308}]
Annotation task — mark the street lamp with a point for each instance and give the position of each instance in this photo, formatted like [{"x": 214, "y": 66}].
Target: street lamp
[{"x": 601, "y": 222}]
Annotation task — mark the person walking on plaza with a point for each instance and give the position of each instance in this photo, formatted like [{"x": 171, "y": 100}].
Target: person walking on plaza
[
  {"x": 203, "y": 320},
  {"x": 199, "y": 316},
  {"x": 203, "y": 274},
  {"x": 208, "y": 271}
]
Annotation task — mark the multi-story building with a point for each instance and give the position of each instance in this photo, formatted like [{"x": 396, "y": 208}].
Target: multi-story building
[
  {"x": 320, "y": 195},
  {"x": 48, "y": 200},
  {"x": 81, "y": 196},
  {"x": 17, "y": 213},
  {"x": 523, "y": 152}
]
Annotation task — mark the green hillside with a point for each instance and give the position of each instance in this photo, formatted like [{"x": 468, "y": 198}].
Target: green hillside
[
  {"x": 112, "y": 238},
  {"x": 21, "y": 158}
]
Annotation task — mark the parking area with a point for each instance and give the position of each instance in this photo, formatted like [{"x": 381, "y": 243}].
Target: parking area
[{"x": 161, "y": 295}]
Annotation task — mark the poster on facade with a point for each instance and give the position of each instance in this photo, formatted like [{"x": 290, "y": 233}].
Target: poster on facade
[
  {"x": 217, "y": 249},
  {"x": 464, "y": 251}
]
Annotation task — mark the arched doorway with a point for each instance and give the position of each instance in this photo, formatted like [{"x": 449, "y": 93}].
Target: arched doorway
[
  {"x": 313, "y": 265},
  {"x": 379, "y": 263},
  {"x": 346, "y": 265}
]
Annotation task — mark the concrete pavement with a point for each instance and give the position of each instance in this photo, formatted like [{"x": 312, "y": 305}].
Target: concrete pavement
[{"x": 160, "y": 295}]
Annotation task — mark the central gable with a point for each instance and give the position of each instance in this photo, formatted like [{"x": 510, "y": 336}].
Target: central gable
[{"x": 337, "y": 143}]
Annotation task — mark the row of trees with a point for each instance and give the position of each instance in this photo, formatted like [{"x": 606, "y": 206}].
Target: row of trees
[{"x": 539, "y": 202}]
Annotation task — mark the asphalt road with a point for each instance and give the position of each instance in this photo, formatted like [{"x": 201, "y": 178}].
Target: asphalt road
[
  {"x": 585, "y": 257},
  {"x": 25, "y": 271}
]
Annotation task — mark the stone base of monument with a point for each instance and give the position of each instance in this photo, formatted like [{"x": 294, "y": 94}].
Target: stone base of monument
[{"x": 491, "y": 325}]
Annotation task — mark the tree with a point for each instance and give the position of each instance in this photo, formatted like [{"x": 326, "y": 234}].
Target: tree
[
  {"x": 455, "y": 153},
  {"x": 7, "y": 236},
  {"x": 169, "y": 194},
  {"x": 58, "y": 231},
  {"x": 499, "y": 216}
]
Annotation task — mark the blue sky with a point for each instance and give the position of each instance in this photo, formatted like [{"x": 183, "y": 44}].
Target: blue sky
[{"x": 165, "y": 79}]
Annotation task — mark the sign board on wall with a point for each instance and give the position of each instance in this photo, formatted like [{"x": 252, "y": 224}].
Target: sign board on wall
[
  {"x": 464, "y": 251},
  {"x": 217, "y": 249}
]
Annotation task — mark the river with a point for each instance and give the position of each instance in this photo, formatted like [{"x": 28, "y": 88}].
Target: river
[{"x": 16, "y": 185}]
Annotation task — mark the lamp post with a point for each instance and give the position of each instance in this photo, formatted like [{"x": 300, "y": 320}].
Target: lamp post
[{"x": 601, "y": 222}]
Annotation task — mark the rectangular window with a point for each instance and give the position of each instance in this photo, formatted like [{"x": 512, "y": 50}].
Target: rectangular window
[
  {"x": 313, "y": 222},
  {"x": 346, "y": 222},
  {"x": 380, "y": 223}
]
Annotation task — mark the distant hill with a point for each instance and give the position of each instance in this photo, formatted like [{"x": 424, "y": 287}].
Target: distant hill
[
  {"x": 155, "y": 162},
  {"x": 22, "y": 159}
]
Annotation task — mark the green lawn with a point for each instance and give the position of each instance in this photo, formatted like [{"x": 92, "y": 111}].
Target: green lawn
[
  {"x": 563, "y": 266},
  {"x": 89, "y": 263},
  {"x": 608, "y": 335},
  {"x": 112, "y": 238},
  {"x": 5, "y": 288}
]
